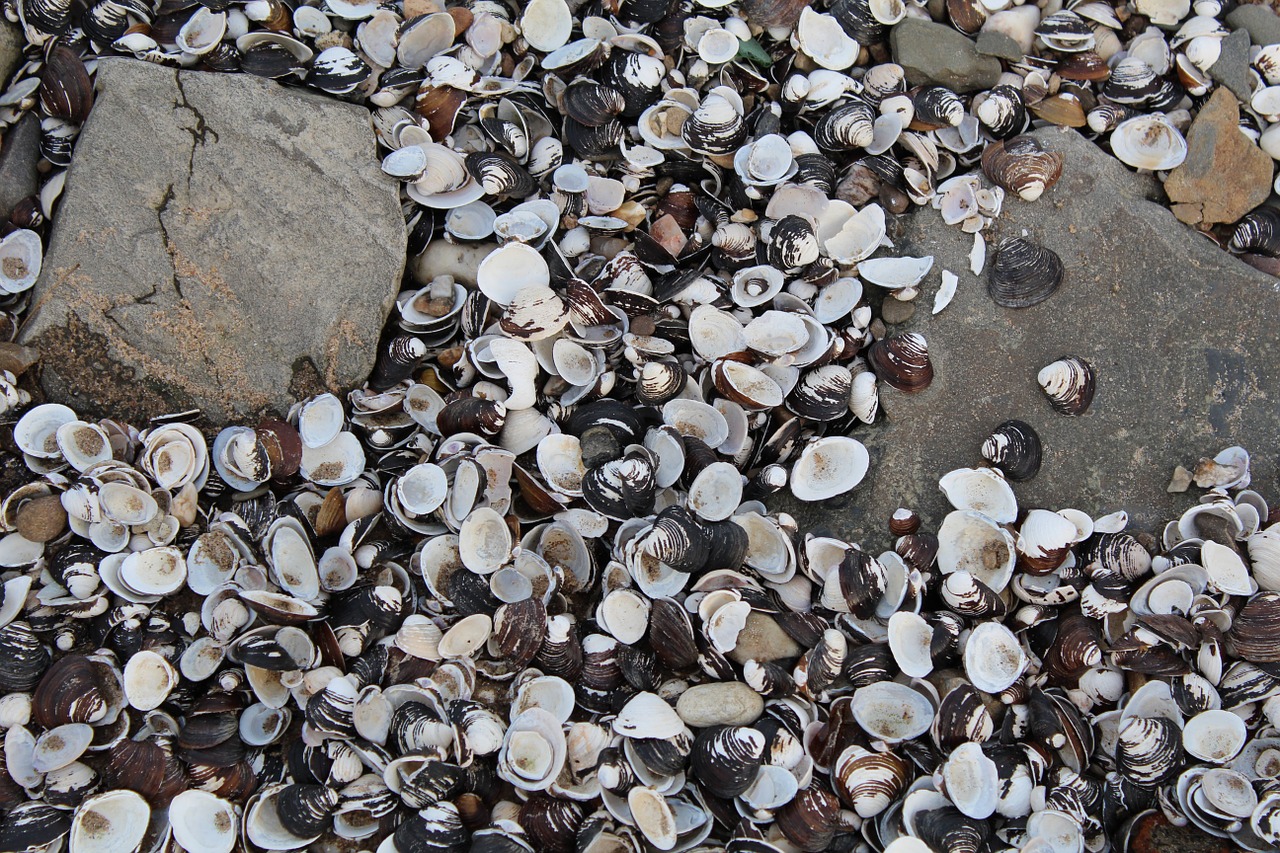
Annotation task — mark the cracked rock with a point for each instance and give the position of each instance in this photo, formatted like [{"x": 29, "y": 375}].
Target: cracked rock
[{"x": 223, "y": 243}]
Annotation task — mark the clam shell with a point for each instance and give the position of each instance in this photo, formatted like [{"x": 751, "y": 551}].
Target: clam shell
[
  {"x": 1024, "y": 273},
  {"x": 1069, "y": 384},
  {"x": 1014, "y": 447},
  {"x": 1148, "y": 142}
]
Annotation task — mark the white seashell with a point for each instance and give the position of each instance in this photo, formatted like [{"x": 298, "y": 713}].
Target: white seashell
[
  {"x": 1149, "y": 142},
  {"x": 828, "y": 467},
  {"x": 822, "y": 39},
  {"x": 946, "y": 292},
  {"x": 202, "y": 822},
  {"x": 895, "y": 273},
  {"x": 21, "y": 256},
  {"x": 110, "y": 822},
  {"x": 993, "y": 657}
]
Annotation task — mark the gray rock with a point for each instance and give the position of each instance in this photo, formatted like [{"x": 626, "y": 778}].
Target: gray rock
[
  {"x": 729, "y": 703},
  {"x": 11, "y": 45},
  {"x": 1232, "y": 66},
  {"x": 934, "y": 53},
  {"x": 19, "y": 157},
  {"x": 993, "y": 43},
  {"x": 1262, "y": 23},
  {"x": 249, "y": 259},
  {"x": 762, "y": 639},
  {"x": 1178, "y": 331}
]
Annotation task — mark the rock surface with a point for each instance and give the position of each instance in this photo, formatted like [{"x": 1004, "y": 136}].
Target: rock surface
[
  {"x": 1232, "y": 66},
  {"x": 993, "y": 43},
  {"x": 1177, "y": 330},
  {"x": 1262, "y": 23},
  {"x": 11, "y": 45},
  {"x": 19, "y": 157},
  {"x": 934, "y": 53},
  {"x": 1225, "y": 174},
  {"x": 251, "y": 258}
]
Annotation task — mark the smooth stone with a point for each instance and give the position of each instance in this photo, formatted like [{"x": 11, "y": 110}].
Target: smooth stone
[
  {"x": 1232, "y": 66},
  {"x": 763, "y": 640},
  {"x": 249, "y": 260},
  {"x": 19, "y": 159},
  {"x": 1179, "y": 333},
  {"x": 460, "y": 260},
  {"x": 998, "y": 44},
  {"x": 935, "y": 53},
  {"x": 895, "y": 311},
  {"x": 1262, "y": 24},
  {"x": 1225, "y": 174},
  {"x": 729, "y": 703}
]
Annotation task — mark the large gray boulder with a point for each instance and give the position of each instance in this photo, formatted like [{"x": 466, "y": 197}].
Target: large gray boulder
[
  {"x": 222, "y": 242},
  {"x": 1180, "y": 333},
  {"x": 11, "y": 45}
]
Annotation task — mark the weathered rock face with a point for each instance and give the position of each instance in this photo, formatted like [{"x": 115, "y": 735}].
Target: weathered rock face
[
  {"x": 222, "y": 242},
  {"x": 1178, "y": 331},
  {"x": 11, "y": 45},
  {"x": 19, "y": 157},
  {"x": 1262, "y": 23},
  {"x": 1225, "y": 174},
  {"x": 934, "y": 53}
]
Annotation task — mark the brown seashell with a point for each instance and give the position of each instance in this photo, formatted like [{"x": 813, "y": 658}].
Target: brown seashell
[
  {"x": 440, "y": 106},
  {"x": 552, "y": 823},
  {"x": 1064, "y": 110},
  {"x": 902, "y": 361},
  {"x": 136, "y": 765},
  {"x": 1022, "y": 165},
  {"x": 1255, "y": 631},
  {"x": 671, "y": 634},
  {"x": 1086, "y": 65},
  {"x": 1074, "y": 649},
  {"x": 332, "y": 515},
  {"x": 810, "y": 820},
  {"x": 770, "y": 14},
  {"x": 968, "y": 16},
  {"x": 904, "y": 522},
  {"x": 471, "y": 414},
  {"x": 65, "y": 88},
  {"x": 283, "y": 446},
  {"x": 78, "y": 689},
  {"x": 519, "y": 629}
]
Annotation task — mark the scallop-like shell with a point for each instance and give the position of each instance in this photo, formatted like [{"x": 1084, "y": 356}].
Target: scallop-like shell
[
  {"x": 1069, "y": 383},
  {"x": 1024, "y": 273},
  {"x": 1023, "y": 166}
]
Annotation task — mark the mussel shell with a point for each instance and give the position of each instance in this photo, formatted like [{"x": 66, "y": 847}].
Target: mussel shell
[
  {"x": 1024, "y": 273},
  {"x": 1014, "y": 447}
]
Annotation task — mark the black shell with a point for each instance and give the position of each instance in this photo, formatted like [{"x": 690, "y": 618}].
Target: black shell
[
  {"x": 792, "y": 243},
  {"x": 1024, "y": 273},
  {"x": 337, "y": 71},
  {"x": 1003, "y": 113},
  {"x": 592, "y": 104},
  {"x": 725, "y": 759},
  {"x": 65, "y": 88},
  {"x": 1014, "y": 448},
  {"x": 306, "y": 810},
  {"x": 500, "y": 174},
  {"x": 822, "y": 394},
  {"x": 1259, "y": 232},
  {"x": 845, "y": 127},
  {"x": 855, "y": 18},
  {"x": 938, "y": 106},
  {"x": 51, "y": 17},
  {"x": 33, "y": 825}
]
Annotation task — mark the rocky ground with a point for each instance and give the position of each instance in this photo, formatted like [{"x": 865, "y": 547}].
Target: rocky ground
[{"x": 230, "y": 245}]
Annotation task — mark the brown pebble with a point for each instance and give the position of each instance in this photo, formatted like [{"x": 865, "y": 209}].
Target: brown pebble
[
  {"x": 42, "y": 519},
  {"x": 895, "y": 311}
]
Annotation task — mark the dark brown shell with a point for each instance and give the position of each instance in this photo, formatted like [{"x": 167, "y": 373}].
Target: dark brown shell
[
  {"x": 1024, "y": 273},
  {"x": 902, "y": 361},
  {"x": 65, "y": 88},
  {"x": 1014, "y": 447},
  {"x": 1255, "y": 632},
  {"x": 1022, "y": 165}
]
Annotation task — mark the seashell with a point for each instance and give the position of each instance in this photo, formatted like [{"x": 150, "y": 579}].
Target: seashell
[
  {"x": 1148, "y": 142},
  {"x": 828, "y": 467},
  {"x": 1024, "y": 273},
  {"x": 500, "y": 174},
  {"x": 1147, "y": 750},
  {"x": 65, "y": 89},
  {"x": 793, "y": 243},
  {"x": 21, "y": 255},
  {"x": 1021, "y": 165},
  {"x": 1014, "y": 448},
  {"x": 592, "y": 104},
  {"x": 727, "y": 758},
  {"x": 901, "y": 361},
  {"x": 892, "y": 712},
  {"x": 993, "y": 658},
  {"x": 1069, "y": 384},
  {"x": 846, "y": 127},
  {"x": 1257, "y": 232},
  {"x": 938, "y": 106},
  {"x": 115, "y": 820},
  {"x": 203, "y": 821}
]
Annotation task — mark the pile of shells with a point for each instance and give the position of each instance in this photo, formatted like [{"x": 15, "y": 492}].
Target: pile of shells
[
  {"x": 602, "y": 640},
  {"x": 523, "y": 590}
]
